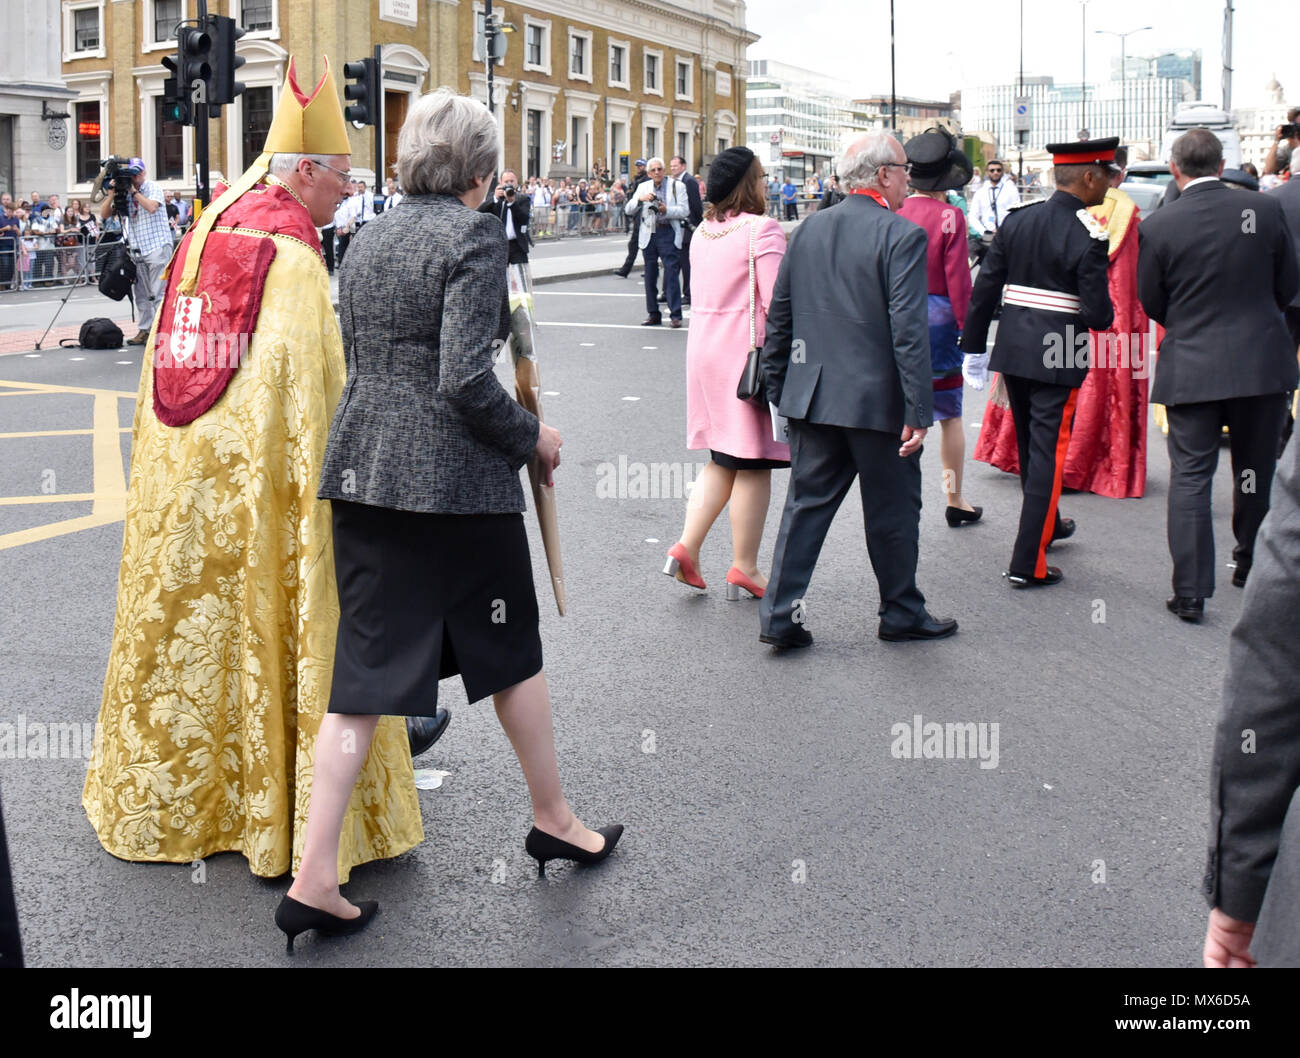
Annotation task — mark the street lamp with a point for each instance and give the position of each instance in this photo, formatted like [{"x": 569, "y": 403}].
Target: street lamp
[
  {"x": 1083, "y": 73},
  {"x": 1123, "y": 70}
]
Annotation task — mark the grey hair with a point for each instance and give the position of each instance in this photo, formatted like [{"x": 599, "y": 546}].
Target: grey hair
[
  {"x": 447, "y": 144},
  {"x": 859, "y": 166},
  {"x": 284, "y": 164},
  {"x": 651, "y": 161}
]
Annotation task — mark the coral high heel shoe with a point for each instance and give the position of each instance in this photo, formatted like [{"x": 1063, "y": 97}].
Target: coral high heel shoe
[
  {"x": 738, "y": 582},
  {"x": 679, "y": 565}
]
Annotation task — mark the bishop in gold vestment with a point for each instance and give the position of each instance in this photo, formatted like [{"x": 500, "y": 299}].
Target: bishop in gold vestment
[{"x": 223, "y": 641}]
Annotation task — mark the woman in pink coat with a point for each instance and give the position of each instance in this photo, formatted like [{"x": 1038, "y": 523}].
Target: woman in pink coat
[{"x": 737, "y": 433}]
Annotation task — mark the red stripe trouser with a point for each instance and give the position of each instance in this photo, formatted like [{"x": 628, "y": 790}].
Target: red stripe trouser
[{"x": 1043, "y": 413}]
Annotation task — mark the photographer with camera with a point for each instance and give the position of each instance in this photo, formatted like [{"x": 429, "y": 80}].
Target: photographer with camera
[
  {"x": 662, "y": 206},
  {"x": 514, "y": 209},
  {"x": 149, "y": 236},
  {"x": 1288, "y": 134}
]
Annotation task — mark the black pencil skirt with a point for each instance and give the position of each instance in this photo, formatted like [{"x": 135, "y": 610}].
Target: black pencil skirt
[{"x": 423, "y": 597}]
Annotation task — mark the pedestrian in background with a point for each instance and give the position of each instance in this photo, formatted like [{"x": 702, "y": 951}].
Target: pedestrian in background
[
  {"x": 429, "y": 540},
  {"x": 847, "y": 362},
  {"x": 633, "y": 228},
  {"x": 661, "y": 206},
  {"x": 677, "y": 166},
  {"x": 938, "y": 166},
  {"x": 737, "y": 255},
  {"x": 1217, "y": 269},
  {"x": 790, "y": 198}
]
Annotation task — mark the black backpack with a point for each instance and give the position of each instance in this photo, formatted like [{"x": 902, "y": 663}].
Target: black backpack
[
  {"x": 100, "y": 333},
  {"x": 118, "y": 273}
]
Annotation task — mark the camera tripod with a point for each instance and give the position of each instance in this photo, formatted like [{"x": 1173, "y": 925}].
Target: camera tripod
[{"x": 91, "y": 254}]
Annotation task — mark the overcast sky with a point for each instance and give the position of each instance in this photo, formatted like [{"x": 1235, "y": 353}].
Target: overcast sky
[{"x": 943, "y": 45}]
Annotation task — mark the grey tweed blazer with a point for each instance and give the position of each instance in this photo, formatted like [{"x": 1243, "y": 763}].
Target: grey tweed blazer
[{"x": 423, "y": 423}]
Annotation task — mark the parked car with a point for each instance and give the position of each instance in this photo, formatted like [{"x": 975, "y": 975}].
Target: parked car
[
  {"x": 1148, "y": 173},
  {"x": 1148, "y": 195}
]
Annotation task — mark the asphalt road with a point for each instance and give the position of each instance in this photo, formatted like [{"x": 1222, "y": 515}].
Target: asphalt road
[{"x": 767, "y": 820}]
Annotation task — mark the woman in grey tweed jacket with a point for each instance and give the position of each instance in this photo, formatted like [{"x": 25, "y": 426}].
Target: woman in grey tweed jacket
[{"x": 422, "y": 471}]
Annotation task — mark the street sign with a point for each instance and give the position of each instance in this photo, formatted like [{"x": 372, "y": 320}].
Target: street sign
[
  {"x": 774, "y": 138},
  {"x": 775, "y": 152},
  {"x": 1021, "y": 121}
]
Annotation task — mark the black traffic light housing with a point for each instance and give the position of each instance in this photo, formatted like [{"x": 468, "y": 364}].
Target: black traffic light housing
[
  {"x": 222, "y": 86},
  {"x": 191, "y": 65},
  {"x": 364, "y": 91}
]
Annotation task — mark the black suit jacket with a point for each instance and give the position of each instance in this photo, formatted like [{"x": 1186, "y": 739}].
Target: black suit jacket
[
  {"x": 1049, "y": 246},
  {"x": 694, "y": 203},
  {"x": 848, "y": 333},
  {"x": 1217, "y": 267},
  {"x": 1253, "y": 871},
  {"x": 1288, "y": 195},
  {"x": 521, "y": 210}
]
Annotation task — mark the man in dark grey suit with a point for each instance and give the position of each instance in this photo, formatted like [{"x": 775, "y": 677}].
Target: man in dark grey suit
[
  {"x": 1217, "y": 267},
  {"x": 847, "y": 361},
  {"x": 1252, "y": 879}
]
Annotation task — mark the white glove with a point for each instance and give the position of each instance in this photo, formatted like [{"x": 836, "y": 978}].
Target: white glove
[{"x": 975, "y": 370}]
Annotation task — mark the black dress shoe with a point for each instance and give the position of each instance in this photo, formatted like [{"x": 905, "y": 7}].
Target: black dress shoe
[
  {"x": 675, "y": 322},
  {"x": 621, "y": 274},
  {"x": 424, "y": 731},
  {"x": 1240, "y": 574},
  {"x": 1026, "y": 580},
  {"x": 651, "y": 321},
  {"x": 1187, "y": 608},
  {"x": 792, "y": 640},
  {"x": 1064, "y": 529},
  {"x": 294, "y": 918},
  {"x": 929, "y": 628},
  {"x": 957, "y": 515}
]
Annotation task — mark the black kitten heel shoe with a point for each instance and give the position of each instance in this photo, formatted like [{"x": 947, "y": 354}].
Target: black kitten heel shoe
[
  {"x": 958, "y": 515},
  {"x": 294, "y": 918},
  {"x": 543, "y": 847}
]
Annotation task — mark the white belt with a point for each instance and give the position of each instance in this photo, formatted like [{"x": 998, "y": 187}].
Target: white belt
[{"x": 1038, "y": 298}]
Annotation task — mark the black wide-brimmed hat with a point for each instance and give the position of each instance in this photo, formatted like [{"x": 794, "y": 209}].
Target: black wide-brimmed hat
[{"x": 938, "y": 163}]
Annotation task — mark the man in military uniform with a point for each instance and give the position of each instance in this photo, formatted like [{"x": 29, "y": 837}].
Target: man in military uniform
[{"x": 1051, "y": 258}]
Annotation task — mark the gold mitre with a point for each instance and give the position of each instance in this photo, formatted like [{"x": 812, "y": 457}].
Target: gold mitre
[{"x": 302, "y": 125}]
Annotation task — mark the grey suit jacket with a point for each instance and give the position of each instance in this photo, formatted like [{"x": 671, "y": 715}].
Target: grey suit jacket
[
  {"x": 1253, "y": 871},
  {"x": 848, "y": 333},
  {"x": 423, "y": 424}
]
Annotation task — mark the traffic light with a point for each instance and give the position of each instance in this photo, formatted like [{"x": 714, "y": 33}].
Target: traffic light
[
  {"x": 222, "y": 88},
  {"x": 364, "y": 91},
  {"x": 190, "y": 66}
]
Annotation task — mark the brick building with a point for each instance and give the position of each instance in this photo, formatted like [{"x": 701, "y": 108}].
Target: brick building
[{"x": 607, "y": 78}]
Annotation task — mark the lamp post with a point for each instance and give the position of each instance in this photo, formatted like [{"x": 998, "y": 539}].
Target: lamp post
[
  {"x": 1123, "y": 71},
  {"x": 1083, "y": 75}
]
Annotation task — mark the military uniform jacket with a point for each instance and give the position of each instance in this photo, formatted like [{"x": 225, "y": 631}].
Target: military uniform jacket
[{"x": 1051, "y": 246}]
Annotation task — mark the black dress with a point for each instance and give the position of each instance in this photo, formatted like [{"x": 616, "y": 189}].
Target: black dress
[{"x": 426, "y": 596}]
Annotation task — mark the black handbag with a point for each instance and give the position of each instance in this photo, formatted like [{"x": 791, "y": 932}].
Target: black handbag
[{"x": 752, "y": 385}]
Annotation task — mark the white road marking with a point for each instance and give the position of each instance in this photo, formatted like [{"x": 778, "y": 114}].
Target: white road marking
[
  {"x": 32, "y": 356},
  {"x": 125, "y": 361},
  {"x": 649, "y": 347},
  {"x": 586, "y": 345},
  {"x": 600, "y": 326},
  {"x": 551, "y": 393},
  {"x": 76, "y": 358},
  {"x": 652, "y": 540},
  {"x": 631, "y": 398},
  {"x": 582, "y": 294}
]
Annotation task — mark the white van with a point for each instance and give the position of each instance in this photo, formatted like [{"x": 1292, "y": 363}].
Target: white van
[{"x": 1199, "y": 114}]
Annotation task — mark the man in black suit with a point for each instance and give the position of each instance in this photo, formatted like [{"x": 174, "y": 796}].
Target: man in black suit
[
  {"x": 847, "y": 362},
  {"x": 677, "y": 166},
  {"x": 1288, "y": 195},
  {"x": 1217, "y": 268},
  {"x": 514, "y": 209},
  {"x": 1252, "y": 877},
  {"x": 633, "y": 229},
  {"x": 1051, "y": 258}
]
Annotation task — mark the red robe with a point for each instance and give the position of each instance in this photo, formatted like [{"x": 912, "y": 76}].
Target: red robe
[{"x": 1108, "y": 446}]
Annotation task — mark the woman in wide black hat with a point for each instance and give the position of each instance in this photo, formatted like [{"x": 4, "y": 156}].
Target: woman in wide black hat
[{"x": 938, "y": 166}]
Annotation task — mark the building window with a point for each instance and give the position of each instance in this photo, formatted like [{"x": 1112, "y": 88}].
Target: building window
[
  {"x": 7, "y": 153},
  {"x": 85, "y": 29},
  {"x": 90, "y": 138},
  {"x": 534, "y": 143},
  {"x": 580, "y": 55},
  {"x": 684, "y": 146},
  {"x": 169, "y": 146},
  {"x": 652, "y": 61},
  {"x": 258, "y": 108},
  {"x": 534, "y": 43},
  {"x": 166, "y": 14},
  {"x": 651, "y": 141},
  {"x": 617, "y": 64},
  {"x": 257, "y": 16},
  {"x": 685, "y": 89}
]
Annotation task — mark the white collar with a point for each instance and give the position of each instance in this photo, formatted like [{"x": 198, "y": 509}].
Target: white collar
[{"x": 1200, "y": 180}]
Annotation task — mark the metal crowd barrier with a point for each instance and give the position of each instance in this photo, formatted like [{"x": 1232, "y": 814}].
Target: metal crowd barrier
[
  {"x": 577, "y": 219},
  {"x": 55, "y": 260}
]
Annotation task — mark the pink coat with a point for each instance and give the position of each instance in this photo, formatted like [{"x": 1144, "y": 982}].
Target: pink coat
[{"x": 718, "y": 341}]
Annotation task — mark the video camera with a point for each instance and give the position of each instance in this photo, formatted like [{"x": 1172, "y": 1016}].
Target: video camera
[{"x": 116, "y": 176}]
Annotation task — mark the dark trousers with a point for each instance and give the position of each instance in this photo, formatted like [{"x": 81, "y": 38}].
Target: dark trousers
[
  {"x": 343, "y": 246},
  {"x": 823, "y": 463},
  {"x": 792, "y": 211},
  {"x": 1043, "y": 413},
  {"x": 686, "y": 262},
  {"x": 1195, "y": 435},
  {"x": 662, "y": 247},
  {"x": 1293, "y": 325},
  {"x": 634, "y": 230},
  {"x": 327, "y": 246}
]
